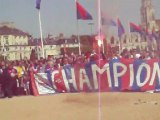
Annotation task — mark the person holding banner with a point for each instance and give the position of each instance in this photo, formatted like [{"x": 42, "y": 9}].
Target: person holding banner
[
  {"x": 49, "y": 69},
  {"x": 67, "y": 69}
]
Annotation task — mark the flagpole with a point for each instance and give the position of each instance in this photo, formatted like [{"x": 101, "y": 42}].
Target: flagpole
[
  {"x": 79, "y": 42},
  {"x": 129, "y": 27},
  {"x": 100, "y": 24},
  {"x": 120, "y": 44},
  {"x": 78, "y": 37},
  {"x": 121, "y": 31},
  {"x": 99, "y": 82},
  {"x": 41, "y": 32},
  {"x": 129, "y": 30}
]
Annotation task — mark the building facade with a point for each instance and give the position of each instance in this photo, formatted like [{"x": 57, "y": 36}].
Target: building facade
[
  {"x": 128, "y": 41},
  {"x": 16, "y": 44},
  {"x": 13, "y": 42},
  {"x": 147, "y": 14},
  {"x": 139, "y": 41}
]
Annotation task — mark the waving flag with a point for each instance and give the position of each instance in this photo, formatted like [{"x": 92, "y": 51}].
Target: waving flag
[
  {"x": 145, "y": 32},
  {"x": 107, "y": 20},
  {"x": 134, "y": 28},
  {"x": 121, "y": 30},
  {"x": 154, "y": 34},
  {"x": 82, "y": 13},
  {"x": 110, "y": 22},
  {"x": 38, "y": 4}
]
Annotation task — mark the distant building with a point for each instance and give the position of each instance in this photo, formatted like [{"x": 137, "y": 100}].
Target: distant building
[
  {"x": 138, "y": 41},
  {"x": 149, "y": 23},
  {"x": 16, "y": 44},
  {"x": 128, "y": 41},
  {"x": 147, "y": 14},
  {"x": 13, "y": 42},
  {"x": 55, "y": 46}
]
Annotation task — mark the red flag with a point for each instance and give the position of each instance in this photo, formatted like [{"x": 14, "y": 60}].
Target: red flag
[
  {"x": 82, "y": 13},
  {"x": 134, "y": 28},
  {"x": 121, "y": 30}
]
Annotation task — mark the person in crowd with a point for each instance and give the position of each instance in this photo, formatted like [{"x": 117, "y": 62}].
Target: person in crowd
[
  {"x": 114, "y": 56},
  {"x": 33, "y": 67},
  {"x": 67, "y": 70},
  {"x": 26, "y": 82},
  {"x": 49, "y": 69},
  {"x": 58, "y": 64},
  {"x": 20, "y": 70},
  {"x": 13, "y": 76},
  {"x": 8, "y": 78},
  {"x": 134, "y": 54},
  {"x": 144, "y": 55},
  {"x": 41, "y": 67},
  {"x": 125, "y": 54},
  {"x": 2, "y": 67}
]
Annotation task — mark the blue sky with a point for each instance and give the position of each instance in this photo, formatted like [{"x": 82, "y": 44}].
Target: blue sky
[{"x": 59, "y": 16}]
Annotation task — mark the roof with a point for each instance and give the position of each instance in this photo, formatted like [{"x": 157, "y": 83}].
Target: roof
[
  {"x": 5, "y": 30},
  {"x": 52, "y": 41}
]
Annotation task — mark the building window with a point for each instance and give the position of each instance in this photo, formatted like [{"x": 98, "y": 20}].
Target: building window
[
  {"x": 7, "y": 48},
  {"x": 3, "y": 50},
  {"x": 6, "y": 40}
]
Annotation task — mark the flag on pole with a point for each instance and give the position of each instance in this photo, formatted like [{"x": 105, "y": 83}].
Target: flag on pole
[
  {"x": 154, "y": 34},
  {"x": 121, "y": 30},
  {"x": 110, "y": 22},
  {"x": 151, "y": 34},
  {"x": 107, "y": 21},
  {"x": 144, "y": 32},
  {"x": 134, "y": 28},
  {"x": 82, "y": 13},
  {"x": 38, "y": 4}
]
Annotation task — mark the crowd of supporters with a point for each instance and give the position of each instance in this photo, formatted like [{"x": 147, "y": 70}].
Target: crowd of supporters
[{"x": 15, "y": 75}]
